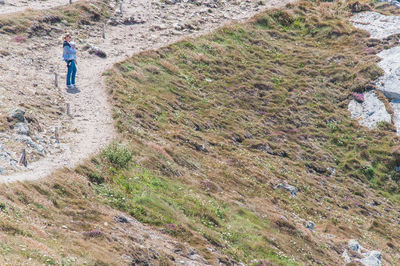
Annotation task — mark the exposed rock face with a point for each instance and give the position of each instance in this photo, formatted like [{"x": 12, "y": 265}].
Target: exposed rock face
[
  {"x": 354, "y": 252},
  {"x": 370, "y": 112},
  {"x": 389, "y": 84},
  {"x": 378, "y": 25}
]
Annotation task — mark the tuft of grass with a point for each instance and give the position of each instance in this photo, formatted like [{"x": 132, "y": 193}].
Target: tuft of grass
[{"x": 118, "y": 155}]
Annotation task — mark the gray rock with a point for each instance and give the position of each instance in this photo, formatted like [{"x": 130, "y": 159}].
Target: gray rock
[
  {"x": 378, "y": 25},
  {"x": 389, "y": 83},
  {"x": 17, "y": 114},
  {"x": 346, "y": 256},
  {"x": 332, "y": 171},
  {"x": 370, "y": 112},
  {"x": 121, "y": 219},
  {"x": 310, "y": 225},
  {"x": 367, "y": 258},
  {"x": 381, "y": 26},
  {"x": 372, "y": 258},
  {"x": 92, "y": 49},
  {"x": 354, "y": 245},
  {"x": 31, "y": 143},
  {"x": 292, "y": 189},
  {"x": 22, "y": 129}
]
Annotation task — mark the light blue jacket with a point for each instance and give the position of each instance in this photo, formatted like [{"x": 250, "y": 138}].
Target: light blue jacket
[{"x": 68, "y": 52}]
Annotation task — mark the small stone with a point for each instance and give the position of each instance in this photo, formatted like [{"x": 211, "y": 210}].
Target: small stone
[
  {"x": 353, "y": 245},
  {"x": 310, "y": 225},
  {"x": 292, "y": 189},
  {"x": 375, "y": 203},
  {"x": 332, "y": 171},
  {"x": 121, "y": 219},
  {"x": 17, "y": 114}
]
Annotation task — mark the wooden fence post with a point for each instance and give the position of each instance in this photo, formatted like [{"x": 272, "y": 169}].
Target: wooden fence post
[
  {"x": 56, "y": 79},
  {"x": 57, "y": 134},
  {"x": 22, "y": 159}
]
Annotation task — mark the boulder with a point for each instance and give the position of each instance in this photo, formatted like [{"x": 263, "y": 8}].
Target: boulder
[
  {"x": 389, "y": 83},
  {"x": 356, "y": 253},
  {"x": 372, "y": 258},
  {"x": 292, "y": 189},
  {"x": 370, "y": 112},
  {"x": 310, "y": 225},
  {"x": 16, "y": 114},
  {"x": 354, "y": 245}
]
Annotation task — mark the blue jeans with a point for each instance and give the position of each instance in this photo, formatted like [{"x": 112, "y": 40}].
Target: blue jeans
[{"x": 71, "y": 73}]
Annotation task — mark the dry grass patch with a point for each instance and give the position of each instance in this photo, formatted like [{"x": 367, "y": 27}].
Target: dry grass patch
[{"x": 44, "y": 22}]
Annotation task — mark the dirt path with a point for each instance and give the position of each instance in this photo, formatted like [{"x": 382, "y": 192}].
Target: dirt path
[{"x": 91, "y": 125}]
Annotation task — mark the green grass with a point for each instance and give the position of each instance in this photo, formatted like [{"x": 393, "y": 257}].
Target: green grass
[{"x": 215, "y": 121}]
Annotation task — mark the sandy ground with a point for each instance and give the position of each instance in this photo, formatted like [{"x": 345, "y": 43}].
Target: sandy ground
[{"x": 91, "y": 127}]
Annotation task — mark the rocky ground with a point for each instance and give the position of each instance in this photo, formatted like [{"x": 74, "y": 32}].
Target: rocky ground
[
  {"x": 370, "y": 110},
  {"x": 53, "y": 139}
]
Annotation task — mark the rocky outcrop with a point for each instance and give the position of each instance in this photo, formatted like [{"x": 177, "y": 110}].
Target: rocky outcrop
[
  {"x": 389, "y": 84},
  {"x": 372, "y": 110},
  {"x": 369, "y": 112},
  {"x": 354, "y": 253},
  {"x": 378, "y": 25}
]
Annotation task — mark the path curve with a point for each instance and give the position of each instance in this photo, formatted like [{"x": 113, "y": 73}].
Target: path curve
[{"x": 90, "y": 108}]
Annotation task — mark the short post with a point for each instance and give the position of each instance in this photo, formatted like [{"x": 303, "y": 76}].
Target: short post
[
  {"x": 57, "y": 134},
  {"x": 56, "y": 79},
  {"x": 70, "y": 2},
  {"x": 22, "y": 159},
  {"x": 68, "y": 109},
  {"x": 120, "y": 6},
  {"x": 104, "y": 31}
]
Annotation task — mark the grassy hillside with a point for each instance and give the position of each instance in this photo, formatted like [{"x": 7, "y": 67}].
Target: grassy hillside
[
  {"x": 215, "y": 123},
  {"x": 209, "y": 129}
]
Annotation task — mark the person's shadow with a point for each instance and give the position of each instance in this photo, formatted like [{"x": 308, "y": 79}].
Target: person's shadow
[{"x": 73, "y": 90}]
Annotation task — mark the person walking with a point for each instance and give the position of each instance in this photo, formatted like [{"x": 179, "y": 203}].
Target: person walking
[{"x": 69, "y": 56}]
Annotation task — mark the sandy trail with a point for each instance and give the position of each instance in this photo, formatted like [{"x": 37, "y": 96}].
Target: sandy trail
[{"x": 91, "y": 112}]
